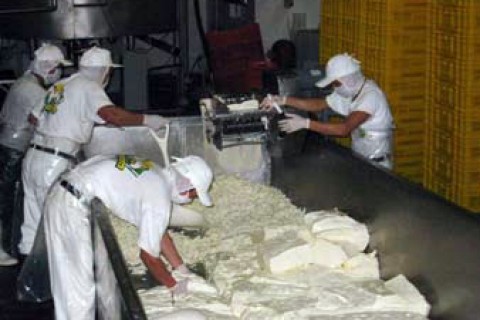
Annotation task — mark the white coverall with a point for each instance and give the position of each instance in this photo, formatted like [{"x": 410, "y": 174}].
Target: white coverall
[
  {"x": 373, "y": 138},
  {"x": 66, "y": 122},
  {"x": 15, "y": 135},
  {"x": 22, "y": 97},
  {"x": 136, "y": 191}
]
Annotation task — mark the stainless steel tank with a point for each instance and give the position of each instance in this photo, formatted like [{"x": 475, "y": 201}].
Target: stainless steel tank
[{"x": 83, "y": 19}]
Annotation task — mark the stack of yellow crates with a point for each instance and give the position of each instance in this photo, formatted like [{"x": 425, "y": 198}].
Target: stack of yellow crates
[
  {"x": 452, "y": 166},
  {"x": 389, "y": 38},
  {"x": 340, "y": 32}
]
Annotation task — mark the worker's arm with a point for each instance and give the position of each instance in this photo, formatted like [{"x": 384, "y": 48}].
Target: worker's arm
[
  {"x": 32, "y": 119},
  {"x": 120, "y": 117},
  {"x": 169, "y": 251},
  {"x": 343, "y": 129},
  {"x": 307, "y": 104},
  {"x": 157, "y": 269}
]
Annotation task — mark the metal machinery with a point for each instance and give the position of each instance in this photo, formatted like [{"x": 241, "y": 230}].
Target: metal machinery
[
  {"x": 80, "y": 23},
  {"x": 231, "y": 120},
  {"x": 85, "y": 19}
]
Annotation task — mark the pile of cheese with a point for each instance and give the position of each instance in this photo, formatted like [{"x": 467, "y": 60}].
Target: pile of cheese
[{"x": 267, "y": 259}]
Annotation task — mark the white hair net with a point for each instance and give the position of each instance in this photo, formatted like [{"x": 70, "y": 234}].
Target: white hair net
[{"x": 97, "y": 74}]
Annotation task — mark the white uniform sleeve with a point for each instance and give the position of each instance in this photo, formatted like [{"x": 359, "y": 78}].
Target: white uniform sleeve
[
  {"x": 95, "y": 99},
  {"x": 38, "y": 106},
  {"x": 338, "y": 104},
  {"x": 153, "y": 225}
]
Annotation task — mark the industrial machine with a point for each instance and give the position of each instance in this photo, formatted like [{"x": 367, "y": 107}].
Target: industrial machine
[{"x": 235, "y": 119}]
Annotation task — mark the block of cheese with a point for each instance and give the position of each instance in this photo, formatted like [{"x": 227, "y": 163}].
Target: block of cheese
[
  {"x": 340, "y": 229},
  {"x": 256, "y": 299},
  {"x": 403, "y": 296},
  {"x": 288, "y": 251},
  {"x": 363, "y": 266},
  {"x": 244, "y": 106}
]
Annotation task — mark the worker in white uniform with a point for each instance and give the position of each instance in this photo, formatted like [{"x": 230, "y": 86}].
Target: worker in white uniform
[
  {"x": 16, "y": 131},
  {"x": 363, "y": 104},
  {"x": 72, "y": 107},
  {"x": 136, "y": 190}
]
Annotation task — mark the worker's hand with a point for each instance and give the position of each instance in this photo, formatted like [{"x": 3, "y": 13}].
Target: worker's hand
[
  {"x": 181, "y": 288},
  {"x": 154, "y": 121},
  {"x": 182, "y": 272},
  {"x": 270, "y": 100},
  {"x": 293, "y": 123}
]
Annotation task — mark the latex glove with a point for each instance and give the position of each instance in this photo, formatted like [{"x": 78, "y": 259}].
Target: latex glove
[
  {"x": 182, "y": 272},
  {"x": 270, "y": 100},
  {"x": 154, "y": 121},
  {"x": 181, "y": 288},
  {"x": 182, "y": 269},
  {"x": 293, "y": 123}
]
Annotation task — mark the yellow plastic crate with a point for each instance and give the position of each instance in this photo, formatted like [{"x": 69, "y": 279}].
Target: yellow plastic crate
[{"x": 455, "y": 16}]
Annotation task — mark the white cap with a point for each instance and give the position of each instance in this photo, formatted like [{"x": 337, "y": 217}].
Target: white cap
[
  {"x": 49, "y": 52},
  {"x": 200, "y": 175},
  {"x": 339, "y": 66},
  {"x": 98, "y": 57}
]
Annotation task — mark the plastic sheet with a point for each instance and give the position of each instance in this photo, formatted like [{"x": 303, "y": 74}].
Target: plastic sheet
[
  {"x": 40, "y": 170},
  {"x": 186, "y": 137},
  {"x": 374, "y": 144},
  {"x": 33, "y": 282}
]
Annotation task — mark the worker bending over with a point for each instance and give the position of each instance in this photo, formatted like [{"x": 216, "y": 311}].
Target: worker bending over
[
  {"x": 367, "y": 114},
  {"x": 136, "y": 190}
]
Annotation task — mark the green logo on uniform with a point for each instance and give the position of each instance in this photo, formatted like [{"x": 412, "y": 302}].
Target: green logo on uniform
[
  {"x": 132, "y": 164},
  {"x": 54, "y": 98}
]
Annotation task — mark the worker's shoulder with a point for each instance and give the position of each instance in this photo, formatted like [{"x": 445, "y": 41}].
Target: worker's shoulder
[
  {"x": 79, "y": 83},
  {"x": 372, "y": 90}
]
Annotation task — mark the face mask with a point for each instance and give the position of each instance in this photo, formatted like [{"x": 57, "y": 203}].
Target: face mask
[
  {"x": 345, "y": 91},
  {"x": 52, "y": 77},
  {"x": 350, "y": 85}
]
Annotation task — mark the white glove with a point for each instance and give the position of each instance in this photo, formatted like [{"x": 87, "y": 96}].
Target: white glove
[
  {"x": 181, "y": 288},
  {"x": 269, "y": 102},
  {"x": 154, "y": 121},
  {"x": 182, "y": 272},
  {"x": 293, "y": 123}
]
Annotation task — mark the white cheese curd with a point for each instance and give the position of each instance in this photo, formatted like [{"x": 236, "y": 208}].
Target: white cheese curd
[
  {"x": 338, "y": 228},
  {"x": 264, "y": 258}
]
